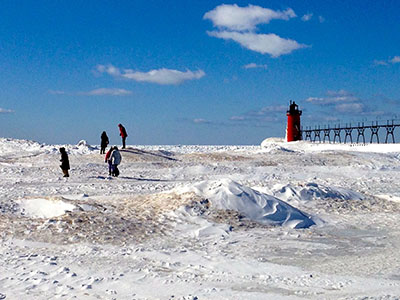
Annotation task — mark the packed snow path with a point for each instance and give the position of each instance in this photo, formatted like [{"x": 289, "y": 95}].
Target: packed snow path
[{"x": 281, "y": 221}]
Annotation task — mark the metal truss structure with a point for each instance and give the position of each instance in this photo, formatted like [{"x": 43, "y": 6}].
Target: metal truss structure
[{"x": 314, "y": 134}]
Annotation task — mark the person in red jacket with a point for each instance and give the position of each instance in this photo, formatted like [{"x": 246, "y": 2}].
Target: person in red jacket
[
  {"x": 123, "y": 134},
  {"x": 107, "y": 159}
]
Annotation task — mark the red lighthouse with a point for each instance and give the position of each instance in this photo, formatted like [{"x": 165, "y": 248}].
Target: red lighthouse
[{"x": 293, "y": 132}]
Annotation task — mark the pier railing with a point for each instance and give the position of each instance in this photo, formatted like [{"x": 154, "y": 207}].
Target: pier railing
[{"x": 376, "y": 131}]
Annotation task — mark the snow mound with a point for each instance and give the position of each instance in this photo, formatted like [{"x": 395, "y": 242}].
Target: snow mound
[
  {"x": 272, "y": 140},
  {"x": 266, "y": 209},
  {"x": 44, "y": 208},
  {"x": 311, "y": 191},
  {"x": 82, "y": 148},
  {"x": 15, "y": 148},
  {"x": 271, "y": 144},
  {"x": 308, "y": 146},
  {"x": 194, "y": 225}
]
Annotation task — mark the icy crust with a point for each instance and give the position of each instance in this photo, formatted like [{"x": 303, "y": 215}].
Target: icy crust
[
  {"x": 185, "y": 149},
  {"x": 82, "y": 148},
  {"x": 9, "y": 146},
  {"x": 310, "y": 191},
  {"x": 44, "y": 208},
  {"x": 13, "y": 148},
  {"x": 266, "y": 209},
  {"x": 125, "y": 236},
  {"x": 271, "y": 144}
]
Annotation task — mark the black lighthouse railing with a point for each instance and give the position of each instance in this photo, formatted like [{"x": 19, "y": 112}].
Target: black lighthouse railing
[{"x": 345, "y": 133}]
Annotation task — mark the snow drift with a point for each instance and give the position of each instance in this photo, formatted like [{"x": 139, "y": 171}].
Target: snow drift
[
  {"x": 44, "y": 208},
  {"x": 271, "y": 144},
  {"x": 311, "y": 191},
  {"x": 266, "y": 209}
]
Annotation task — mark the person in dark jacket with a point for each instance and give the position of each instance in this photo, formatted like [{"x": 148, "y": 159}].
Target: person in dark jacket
[
  {"x": 64, "y": 162},
  {"x": 123, "y": 134},
  {"x": 104, "y": 142},
  {"x": 115, "y": 159}
]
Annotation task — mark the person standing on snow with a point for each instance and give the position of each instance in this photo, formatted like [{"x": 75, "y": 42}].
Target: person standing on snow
[
  {"x": 115, "y": 161},
  {"x": 104, "y": 142},
  {"x": 107, "y": 159},
  {"x": 64, "y": 162},
  {"x": 123, "y": 134}
]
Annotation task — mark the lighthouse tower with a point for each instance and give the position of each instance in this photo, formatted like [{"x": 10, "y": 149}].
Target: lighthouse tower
[{"x": 293, "y": 132}]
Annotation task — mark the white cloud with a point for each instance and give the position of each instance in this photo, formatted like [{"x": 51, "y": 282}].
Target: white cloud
[
  {"x": 307, "y": 17},
  {"x": 321, "y": 19},
  {"x": 107, "y": 92},
  {"x": 255, "y": 66},
  {"x": 272, "y": 108},
  {"x": 96, "y": 92},
  {"x": 109, "y": 69},
  {"x": 237, "y": 18},
  {"x": 261, "y": 43},
  {"x": 340, "y": 101},
  {"x": 265, "y": 114},
  {"x": 380, "y": 62},
  {"x": 316, "y": 100},
  {"x": 333, "y": 97},
  {"x": 395, "y": 60},
  {"x": 239, "y": 24},
  {"x": 200, "y": 121},
  {"x": 6, "y": 111},
  {"x": 160, "y": 76},
  {"x": 163, "y": 76},
  {"x": 338, "y": 93},
  {"x": 237, "y": 118},
  {"x": 350, "y": 108}
]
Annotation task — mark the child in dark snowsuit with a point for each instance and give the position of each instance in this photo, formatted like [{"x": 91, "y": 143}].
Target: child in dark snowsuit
[
  {"x": 64, "y": 162},
  {"x": 104, "y": 142}
]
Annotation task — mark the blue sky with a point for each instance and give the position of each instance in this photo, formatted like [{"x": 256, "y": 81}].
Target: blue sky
[{"x": 193, "y": 72}]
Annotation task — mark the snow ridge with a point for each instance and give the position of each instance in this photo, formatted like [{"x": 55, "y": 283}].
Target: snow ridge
[{"x": 266, "y": 209}]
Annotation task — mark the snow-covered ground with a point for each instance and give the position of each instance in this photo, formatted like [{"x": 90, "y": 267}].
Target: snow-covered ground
[{"x": 277, "y": 221}]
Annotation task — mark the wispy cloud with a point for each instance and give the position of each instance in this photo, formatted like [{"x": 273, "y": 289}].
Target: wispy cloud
[
  {"x": 161, "y": 76},
  {"x": 353, "y": 108},
  {"x": 109, "y": 69},
  {"x": 201, "y": 121},
  {"x": 307, "y": 17},
  {"x": 231, "y": 79},
  {"x": 333, "y": 97},
  {"x": 266, "y": 114},
  {"x": 233, "y": 17},
  {"x": 107, "y": 92},
  {"x": 380, "y": 62},
  {"x": 393, "y": 60},
  {"x": 96, "y": 92},
  {"x": 239, "y": 24},
  {"x": 342, "y": 102},
  {"x": 254, "y": 118},
  {"x": 338, "y": 106},
  {"x": 262, "y": 43},
  {"x": 321, "y": 19},
  {"x": 6, "y": 111},
  {"x": 254, "y": 66},
  {"x": 56, "y": 92}
]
